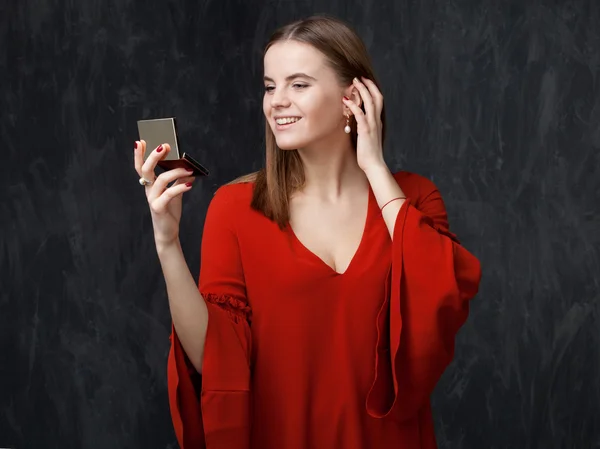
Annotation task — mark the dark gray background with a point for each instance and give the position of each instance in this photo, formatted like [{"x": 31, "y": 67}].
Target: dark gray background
[{"x": 496, "y": 101}]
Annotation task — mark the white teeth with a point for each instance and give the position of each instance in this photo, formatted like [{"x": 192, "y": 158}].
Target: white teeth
[{"x": 286, "y": 120}]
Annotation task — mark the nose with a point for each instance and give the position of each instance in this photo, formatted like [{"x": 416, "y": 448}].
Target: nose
[{"x": 279, "y": 99}]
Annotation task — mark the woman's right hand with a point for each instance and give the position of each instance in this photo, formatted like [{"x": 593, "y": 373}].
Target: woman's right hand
[{"x": 164, "y": 201}]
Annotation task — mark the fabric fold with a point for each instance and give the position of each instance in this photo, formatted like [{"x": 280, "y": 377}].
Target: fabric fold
[
  {"x": 431, "y": 279},
  {"x": 286, "y": 391},
  {"x": 219, "y": 416},
  {"x": 183, "y": 400}
]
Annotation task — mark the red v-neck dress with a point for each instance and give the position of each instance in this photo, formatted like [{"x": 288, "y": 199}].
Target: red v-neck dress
[{"x": 298, "y": 356}]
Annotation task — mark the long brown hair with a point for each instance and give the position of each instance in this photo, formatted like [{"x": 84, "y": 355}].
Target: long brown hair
[{"x": 283, "y": 174}]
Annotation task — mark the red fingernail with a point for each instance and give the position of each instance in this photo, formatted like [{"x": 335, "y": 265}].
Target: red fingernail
[
  {"x": 189, "y": 184},
  {"x": 159, "y": 148},
  {"x": 135, "y": 146},
  {"x": 346, "y": 98}
]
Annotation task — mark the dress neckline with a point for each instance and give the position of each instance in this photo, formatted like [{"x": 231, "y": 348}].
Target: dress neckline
[{"x": 370, "y": 208}]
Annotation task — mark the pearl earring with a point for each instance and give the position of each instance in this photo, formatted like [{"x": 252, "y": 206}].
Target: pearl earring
[{"x": 347, "y": 128}]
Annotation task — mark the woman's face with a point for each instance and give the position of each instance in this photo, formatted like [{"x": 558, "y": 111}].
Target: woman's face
[{"x": 303, "y": 98}]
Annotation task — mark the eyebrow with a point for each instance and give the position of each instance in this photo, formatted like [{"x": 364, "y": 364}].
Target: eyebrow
[{"x": 292, "y": 76}]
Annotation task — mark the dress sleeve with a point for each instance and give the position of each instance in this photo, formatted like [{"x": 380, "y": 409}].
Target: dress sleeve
[
  {"x": 212, "y": 410},
  {"x": 431, "y": 280}
]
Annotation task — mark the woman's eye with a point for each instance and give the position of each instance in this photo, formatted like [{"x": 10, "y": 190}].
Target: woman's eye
[{"x": 295, "y": 86}]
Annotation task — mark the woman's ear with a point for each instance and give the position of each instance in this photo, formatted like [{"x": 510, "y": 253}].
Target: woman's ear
[
  {"x": 352, "y": 93},
  {"x": 355, "y": 96}
]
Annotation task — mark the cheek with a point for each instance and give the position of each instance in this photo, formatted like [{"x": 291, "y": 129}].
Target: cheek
[
  {"x": 267, "y": 111},
  {"x": 324, "y": 114}
]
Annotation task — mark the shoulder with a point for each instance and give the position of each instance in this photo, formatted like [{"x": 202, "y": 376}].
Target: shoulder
[
  {"x": 230, "y": 203},
  {"x": 238, "y": 193},
  {"x": 415, "y": 186}
]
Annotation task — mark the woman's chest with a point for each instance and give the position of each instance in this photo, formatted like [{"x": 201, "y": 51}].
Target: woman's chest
[{"x": 283, "y": 276}]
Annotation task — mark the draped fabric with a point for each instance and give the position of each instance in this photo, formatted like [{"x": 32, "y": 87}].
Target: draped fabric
[{"x": 299, "y": 356}]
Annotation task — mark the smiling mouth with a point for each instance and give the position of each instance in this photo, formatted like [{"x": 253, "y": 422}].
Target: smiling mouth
[{"x": 286, "y": 122}]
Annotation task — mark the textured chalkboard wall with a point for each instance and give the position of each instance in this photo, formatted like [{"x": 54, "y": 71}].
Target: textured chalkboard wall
[{"x": 497, "y": 101}]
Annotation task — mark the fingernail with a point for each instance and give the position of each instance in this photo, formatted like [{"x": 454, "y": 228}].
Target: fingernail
[
  {"x": 189, "y": 184},
  {"x": 355, "y": 80},
  {"x": 135, "y": 145},
  {"x": 346, "y": 98},
  {"x": 159, "y": 148}
]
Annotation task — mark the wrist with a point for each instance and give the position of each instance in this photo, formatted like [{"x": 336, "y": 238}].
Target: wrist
[
  {"x": 377, "y": 170},
  {"x": 164, "y": 249}
]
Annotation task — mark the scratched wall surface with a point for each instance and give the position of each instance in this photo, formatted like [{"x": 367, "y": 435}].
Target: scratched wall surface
[{"x": 497, "y": 102}]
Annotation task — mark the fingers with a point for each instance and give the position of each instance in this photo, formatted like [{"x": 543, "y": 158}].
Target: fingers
[
  {"x": 156, "y": 155},
  {"x": 180, "y": 175},
  {"x": 366, "y": 98},
  {"x": 182, "y": 185},
  {"x": 158, "y": 193},
  {"x": 372, "y": 99},
  {"x": 362, "y": 124},
  {"x": 376, "y": 95},
  {"x": 138, "y": 155}
]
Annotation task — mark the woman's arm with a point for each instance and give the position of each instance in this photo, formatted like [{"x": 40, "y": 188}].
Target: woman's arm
[
  {"x": 188, "y": 308},
  {"x": 385, "y": 188},
  {"x": 432, "y": 279},
  {"x": 211, "y": 333}
]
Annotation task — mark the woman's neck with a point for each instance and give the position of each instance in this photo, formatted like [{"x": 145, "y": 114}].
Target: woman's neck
[{"x": 332, "y": 173}]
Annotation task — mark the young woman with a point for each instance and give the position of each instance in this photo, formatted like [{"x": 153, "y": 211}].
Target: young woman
[{"x": 330, "y": 289}]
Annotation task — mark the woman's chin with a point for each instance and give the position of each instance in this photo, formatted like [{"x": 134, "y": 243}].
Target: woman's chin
[{"x": 288, "y": 144}]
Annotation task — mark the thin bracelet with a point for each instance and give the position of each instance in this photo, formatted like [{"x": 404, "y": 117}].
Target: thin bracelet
[{"x": 393, "y": 199}]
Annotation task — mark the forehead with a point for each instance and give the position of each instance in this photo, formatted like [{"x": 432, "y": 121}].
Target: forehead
[{"x": 290, "y": 57}]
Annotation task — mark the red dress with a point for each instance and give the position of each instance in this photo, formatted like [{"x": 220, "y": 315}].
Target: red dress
[{"x": 298, "y": 356}]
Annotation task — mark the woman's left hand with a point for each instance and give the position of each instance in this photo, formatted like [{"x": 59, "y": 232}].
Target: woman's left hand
[{"x": 369, "y": 147}]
